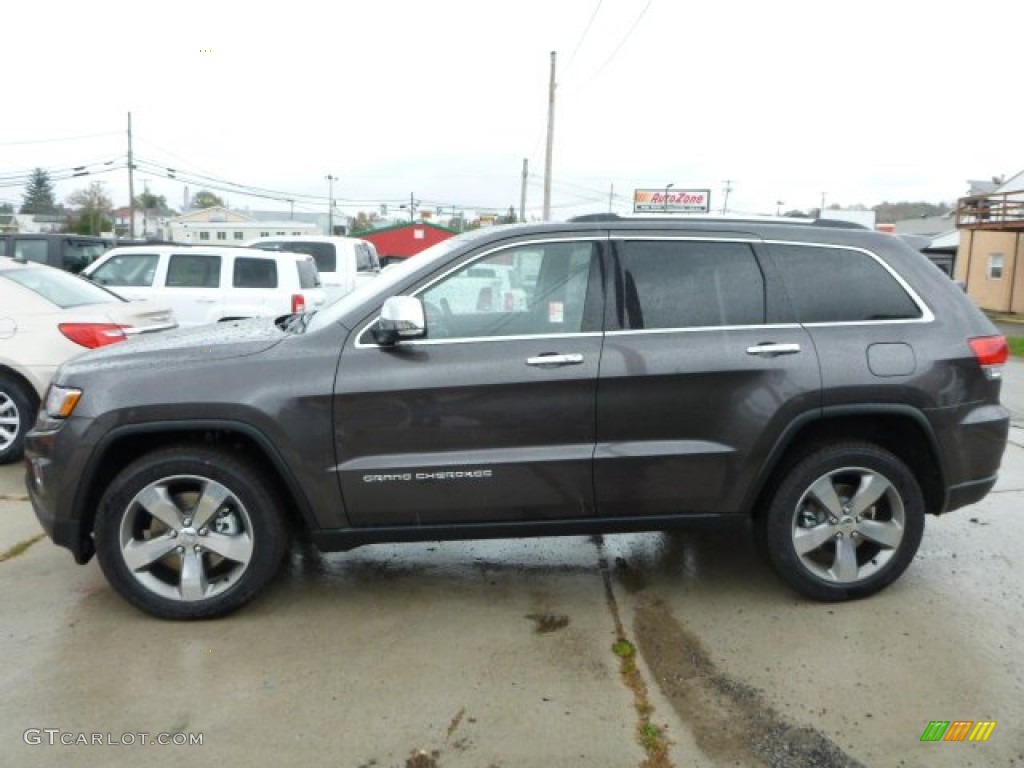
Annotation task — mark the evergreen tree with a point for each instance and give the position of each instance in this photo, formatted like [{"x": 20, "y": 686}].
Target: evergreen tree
[{"x": 39, "y": 197}]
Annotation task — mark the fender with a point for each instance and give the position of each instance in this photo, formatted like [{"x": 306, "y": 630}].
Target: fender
[
  {"x": 265, "y": 444},
  {"x": 786, "y": 439}
]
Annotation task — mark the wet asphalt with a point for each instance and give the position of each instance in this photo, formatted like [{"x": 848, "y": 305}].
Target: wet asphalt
[{"x": 510, "y": 653}]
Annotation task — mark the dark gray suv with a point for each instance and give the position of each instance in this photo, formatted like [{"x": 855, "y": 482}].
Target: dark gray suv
[{"x": 596, "y": 376}]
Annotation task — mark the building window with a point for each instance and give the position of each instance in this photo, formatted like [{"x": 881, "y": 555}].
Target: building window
[
  {"x": 239, "y": 235},
  {"x": 279, "y": 233},
  {"x": 995, "y": 266},
  {"x": 222, "y": 235},
  {"x": 264, "y": 234},
  {"x": 204, "y": 235}
]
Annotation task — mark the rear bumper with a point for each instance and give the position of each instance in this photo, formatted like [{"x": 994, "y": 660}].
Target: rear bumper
[
  {"x": 968, "y": 493},
  {"x": 974, "y": 444}
]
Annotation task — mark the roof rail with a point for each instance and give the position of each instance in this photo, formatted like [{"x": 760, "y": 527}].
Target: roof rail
[{"x": 784, "y": 221}]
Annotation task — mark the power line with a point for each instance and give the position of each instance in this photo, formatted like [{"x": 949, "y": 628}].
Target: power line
[
  {"x": 621, "y": 42},
  {"x": 579, "y": 44}
]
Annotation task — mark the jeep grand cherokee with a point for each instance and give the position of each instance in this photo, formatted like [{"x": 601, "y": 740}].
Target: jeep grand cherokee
[{"x": 609, "y": 375}]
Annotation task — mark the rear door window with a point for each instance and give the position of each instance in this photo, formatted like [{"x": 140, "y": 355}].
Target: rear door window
[
  {"x": 31, "y": 249},
  {"x": 190, "y": 270},
  {"x": 689, "y": 284},
  {"x": 255, "y": 273},
  {"x": 841, "y": 285}
]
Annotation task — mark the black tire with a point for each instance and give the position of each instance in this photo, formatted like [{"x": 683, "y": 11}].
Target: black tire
[
  {"x": 835, "y": 545},
  {"x": 18, "y": 411},
  {"x": 220, "y": 555}
]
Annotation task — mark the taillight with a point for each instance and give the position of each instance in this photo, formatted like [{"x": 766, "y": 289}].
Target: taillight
[
  {"x": 991, "y": 352},
  {"x": 93, "y": 335},
  {"x": 298, "y": 303}
]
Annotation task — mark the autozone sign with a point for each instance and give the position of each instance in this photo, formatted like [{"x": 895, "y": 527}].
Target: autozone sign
[{"x": 671, "y": 201}]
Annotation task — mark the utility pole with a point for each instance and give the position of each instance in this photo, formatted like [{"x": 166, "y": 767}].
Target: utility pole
[
  {"x": 611, "y": 197},
  {"x": 330, "y": 204},
  {"x": 522, "y": 190},
  {"x": 725, "y": 202},
  {"x": 551, "y": 141},
  {"x": 412, "y": 208},
  {"x": 131, "y": 183}
]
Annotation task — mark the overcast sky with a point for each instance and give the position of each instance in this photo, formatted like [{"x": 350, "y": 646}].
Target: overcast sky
[{"x": 859, "y": 102}]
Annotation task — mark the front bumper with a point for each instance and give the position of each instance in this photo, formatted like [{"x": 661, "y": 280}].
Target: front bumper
[{"x": 52, "y": 475}]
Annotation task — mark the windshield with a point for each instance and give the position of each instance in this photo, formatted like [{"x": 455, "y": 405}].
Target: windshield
[
  {"x": 388, "y": 280},
  {"x": 61, "y": 288}
]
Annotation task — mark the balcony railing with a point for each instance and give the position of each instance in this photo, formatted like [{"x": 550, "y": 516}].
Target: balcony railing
[{"x": 1001, "y": 211}]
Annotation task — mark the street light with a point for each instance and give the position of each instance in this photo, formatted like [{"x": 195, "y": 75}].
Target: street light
[
  {"x": 330, "y": 204},
  {"x": 667, "y": 188}
]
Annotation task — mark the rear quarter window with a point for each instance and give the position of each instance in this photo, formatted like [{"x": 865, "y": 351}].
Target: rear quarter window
[
  {"x": 255, "y": 273},
  {"x": 841, "y": 285}
]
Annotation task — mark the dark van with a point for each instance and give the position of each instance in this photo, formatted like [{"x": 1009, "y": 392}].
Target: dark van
[{"x": 64, "y": 251}]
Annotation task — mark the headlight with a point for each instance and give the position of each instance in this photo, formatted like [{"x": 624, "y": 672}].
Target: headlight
[{"x": 61, "y": 401}]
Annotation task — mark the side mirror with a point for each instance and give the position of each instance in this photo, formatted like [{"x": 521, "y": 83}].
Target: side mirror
[{"x": 401, "y": 317}]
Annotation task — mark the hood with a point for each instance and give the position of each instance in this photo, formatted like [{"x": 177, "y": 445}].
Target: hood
[{"x": 220, "y": 341}]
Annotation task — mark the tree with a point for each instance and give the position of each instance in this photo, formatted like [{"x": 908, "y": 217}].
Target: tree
[
  {"x": 39, "y": 197},
  {"x": 94, "y": 205},
  {"x": 6, "y": 208},
  {"x": 147, "y": 201},
  {"x": 204, "y": 198},
  {"x": 364, "y": 221}
]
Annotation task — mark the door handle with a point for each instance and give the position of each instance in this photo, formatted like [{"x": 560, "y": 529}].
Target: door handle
[
  {"x": 542, "y": 360},
  {"x": 768, "y": 349},
  {"x": 206, "y": 301}
]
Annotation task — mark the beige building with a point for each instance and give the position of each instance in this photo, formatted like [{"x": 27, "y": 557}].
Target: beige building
[
  {"x": 220, "y": 226},
  {"x": 990, "y": 259}
]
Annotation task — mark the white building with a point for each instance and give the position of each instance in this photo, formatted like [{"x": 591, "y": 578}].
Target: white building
[{"x": 220, "y": 226}]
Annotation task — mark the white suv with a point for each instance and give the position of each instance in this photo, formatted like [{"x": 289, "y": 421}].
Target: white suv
[
  {"x": 212, "y": 284},
  {"x": 344, "y": 263}
]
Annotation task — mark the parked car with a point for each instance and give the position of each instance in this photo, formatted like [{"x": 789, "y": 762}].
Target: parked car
[
  {"x": 69, "y": 252},
  {"x": 212, "y": 284},
  {"x": 830, "y": 384},
  {"x": 46, "y": 317},
  {"x": 344, "y": 263}
]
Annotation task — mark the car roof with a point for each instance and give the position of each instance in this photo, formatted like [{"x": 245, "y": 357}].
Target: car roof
[
  {"x": 215, "y": 250},
  {"x": 307, "y": 239}
]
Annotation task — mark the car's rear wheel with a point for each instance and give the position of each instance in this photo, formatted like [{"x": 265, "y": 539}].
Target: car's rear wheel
[
  {"x": 844, "y": 522},
  {"x": 189, "y": 532},
  {"x": 17, "y": 414}
]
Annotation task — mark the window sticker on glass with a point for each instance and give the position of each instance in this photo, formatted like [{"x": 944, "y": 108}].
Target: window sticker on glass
[{"x": 556, "y": 312}]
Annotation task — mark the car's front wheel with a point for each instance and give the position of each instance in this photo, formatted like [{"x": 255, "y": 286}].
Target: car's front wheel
[
  {"x": 189, "y": 532},
  {"x": 844, "y": 522}
]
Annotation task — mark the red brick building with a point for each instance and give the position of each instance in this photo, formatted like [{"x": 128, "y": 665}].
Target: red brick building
[{"x": 404, "y": 240}]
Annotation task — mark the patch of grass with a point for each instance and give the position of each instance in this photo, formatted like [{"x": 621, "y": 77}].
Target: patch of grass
[
  {"x": 20, "y": 547},
  {"x": 624, "y": 649},
  {"x": 1016, "y": 345}
]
